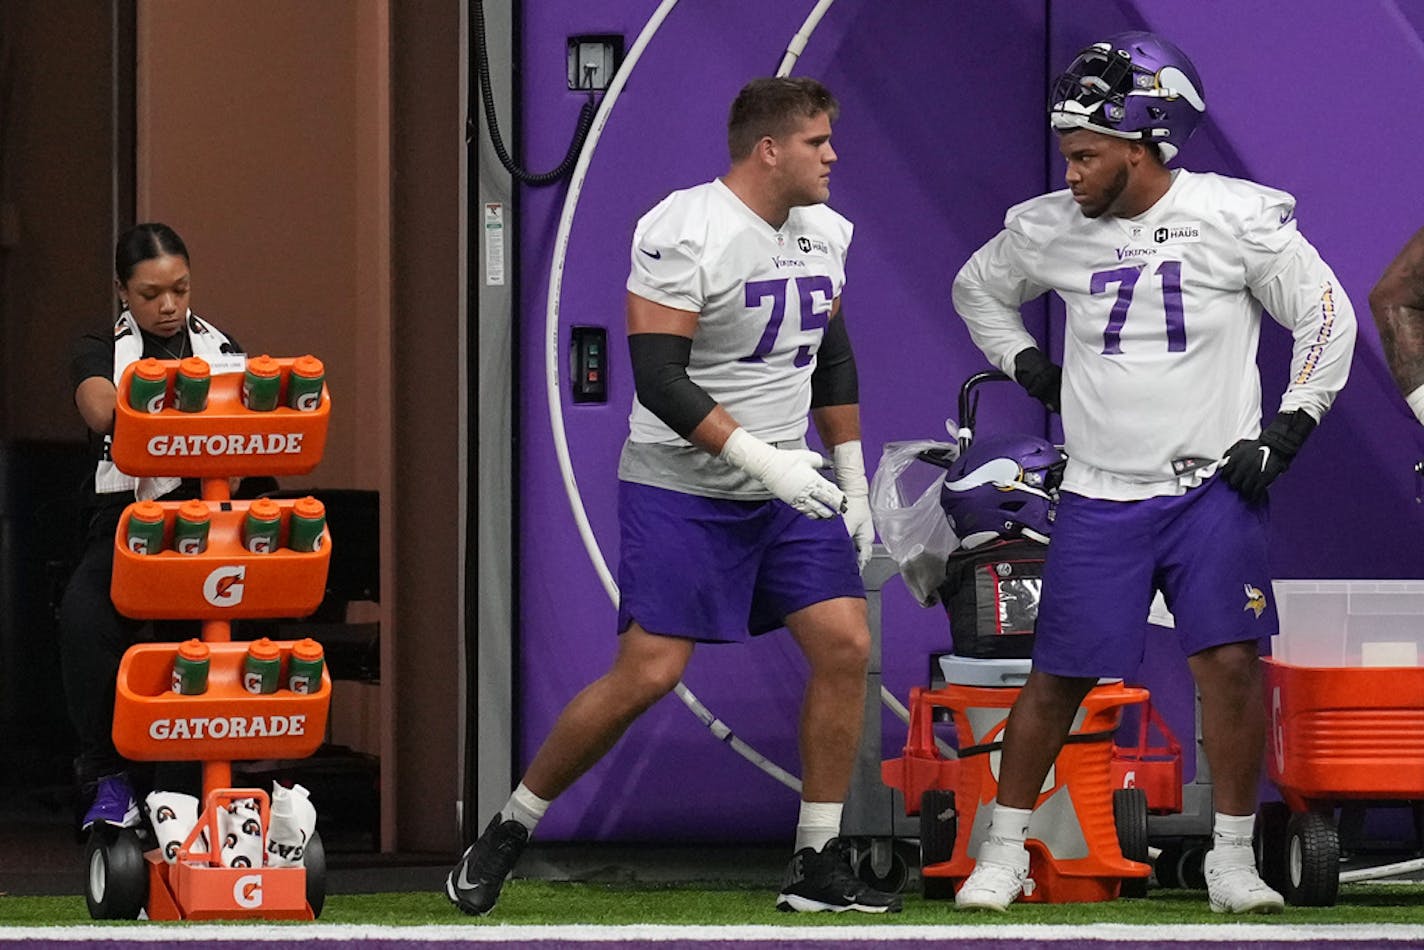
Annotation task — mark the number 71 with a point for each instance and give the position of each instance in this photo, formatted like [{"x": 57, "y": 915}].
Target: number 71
[{"x": 1126, "y": 279}]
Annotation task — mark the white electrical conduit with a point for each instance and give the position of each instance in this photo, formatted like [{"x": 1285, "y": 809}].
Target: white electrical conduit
[{"x": 552, "y": 363}]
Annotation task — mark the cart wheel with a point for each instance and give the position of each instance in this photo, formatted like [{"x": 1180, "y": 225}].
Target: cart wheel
[
  {"x": 1312, "y": 860},
  {"x": 939, "y": 824},
  {"x": 1164, "y": 869},
  {"x": 314, "y": 860},
  {"x": 1190, "y": 872},
  {"x": 896, "y": 876},
  {"x": 117, "y": 885},
  {"x": 1130, "y": 817},
  {"x": 1270, "y": 843}
]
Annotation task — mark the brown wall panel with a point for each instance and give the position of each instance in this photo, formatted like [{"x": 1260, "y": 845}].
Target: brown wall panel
[
  {"x": 56, "y": 249},
  {"x": 427, "y": 135},
  {"x": 250, "y": 138}
]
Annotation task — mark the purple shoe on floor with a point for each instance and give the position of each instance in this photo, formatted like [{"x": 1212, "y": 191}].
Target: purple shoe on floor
[{"x": 114, "y": 803}]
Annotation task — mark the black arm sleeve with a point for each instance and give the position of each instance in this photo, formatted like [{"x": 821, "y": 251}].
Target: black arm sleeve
[
  {"x": 660, "y": 378},
  {"x": 834, "y": 381}
]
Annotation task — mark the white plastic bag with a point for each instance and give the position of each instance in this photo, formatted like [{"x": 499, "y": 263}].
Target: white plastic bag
[
  {"x": 915, "y": 532},
  {"x": 293, "y": 823}
]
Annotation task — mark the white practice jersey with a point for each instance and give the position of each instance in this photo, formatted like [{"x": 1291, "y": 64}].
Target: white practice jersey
[
  {"x": 1163, "y": 321},
  {"x": 763, "y": 296}
]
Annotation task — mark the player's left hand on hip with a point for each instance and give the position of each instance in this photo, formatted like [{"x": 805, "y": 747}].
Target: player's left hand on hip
[
  {"x": 848, "y": 463},
  {"x": 1251, "y": 465}
]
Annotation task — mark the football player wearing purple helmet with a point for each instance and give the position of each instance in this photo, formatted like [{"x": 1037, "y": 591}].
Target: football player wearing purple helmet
[{"x": 1164, "y": 274}]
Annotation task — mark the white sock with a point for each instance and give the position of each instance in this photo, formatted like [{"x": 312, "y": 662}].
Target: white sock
[
  {"x": 1232, "y": 831},
  {"x": 817, "y": 824},
  {"x": 1009, "y": 825},
  {"x": 524, "y": 807}
]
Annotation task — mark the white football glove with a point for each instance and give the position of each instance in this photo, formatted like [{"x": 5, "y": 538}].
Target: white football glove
[
  {"x": 849, "y": 466},
  {"x": 789, "y": 474}
]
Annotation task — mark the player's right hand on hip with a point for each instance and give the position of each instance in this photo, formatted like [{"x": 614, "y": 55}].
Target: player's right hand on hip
[
  {"x": 789, "y": 474},
  {"x": 1251, "y": 465},
  {"x": 1040, "y": 376}
]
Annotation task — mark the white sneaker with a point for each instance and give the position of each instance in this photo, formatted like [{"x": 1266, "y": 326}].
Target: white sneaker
[
  {"x": 1000, "y": 875},
  {"x": 1234, "y": 887}
]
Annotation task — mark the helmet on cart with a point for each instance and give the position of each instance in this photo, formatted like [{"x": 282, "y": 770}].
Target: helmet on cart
[
  {"x": 1133, "y": 86},
  {"x": 1003, "y": 487}
]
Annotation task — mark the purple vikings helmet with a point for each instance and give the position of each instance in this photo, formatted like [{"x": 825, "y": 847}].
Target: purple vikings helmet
[
  {"x": 1132, "y": 86},
  {"x": 1002, "y": 486}
]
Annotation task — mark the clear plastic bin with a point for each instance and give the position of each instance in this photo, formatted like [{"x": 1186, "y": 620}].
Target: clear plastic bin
[{"x": 1350, "y": 623}]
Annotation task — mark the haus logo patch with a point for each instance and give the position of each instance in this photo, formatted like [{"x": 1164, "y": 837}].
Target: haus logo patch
[{"x": 1185, "y": 232}]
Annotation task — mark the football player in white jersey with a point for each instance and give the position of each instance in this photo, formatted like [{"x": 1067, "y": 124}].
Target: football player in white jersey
[
  {"x": 1164, "y": 274},
  {"x": 727, "y": 528},
  {"x": 1397, "y": 302}
]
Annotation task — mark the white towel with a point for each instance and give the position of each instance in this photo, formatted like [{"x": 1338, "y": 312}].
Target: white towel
[
  {"x": 204, "y": 340},
  {"x": 173, "y": 816},
  {"x": 240, "y": 825}
]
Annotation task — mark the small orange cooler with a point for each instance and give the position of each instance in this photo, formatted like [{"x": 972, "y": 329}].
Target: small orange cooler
[{"x": 1074, "y": 854}]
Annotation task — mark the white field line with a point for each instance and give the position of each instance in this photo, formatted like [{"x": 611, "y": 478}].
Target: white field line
[{"x": 659, "y": 933}]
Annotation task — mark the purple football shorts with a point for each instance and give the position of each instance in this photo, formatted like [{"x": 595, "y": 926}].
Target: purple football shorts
[
  {"x": 1206, "y": 552},
  {"x": 714, "y": 570}
]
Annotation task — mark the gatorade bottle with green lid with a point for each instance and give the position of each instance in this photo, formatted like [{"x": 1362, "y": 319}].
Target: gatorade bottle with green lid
[
  {"x": 304, "y": 383},
  {"x": 190, "y": 528},
  {"x": 304, "y": 666},
  {"x": 262, "y": 667},
  {"x": 148, "y": 385},
  {"x": 190, "y": 668},
  {"x": 262, "y": 384},
  {"x": 262, "y": 526},
  {"x": 307, "y": 527},
  {"x": 190, "y": 385},
  {"x": 144, "y": 534}
]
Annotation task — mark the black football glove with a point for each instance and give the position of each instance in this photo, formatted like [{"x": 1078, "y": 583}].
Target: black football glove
[
  {"x": 1252, "y": 464},
  {"x": 1040, "y": 376}
]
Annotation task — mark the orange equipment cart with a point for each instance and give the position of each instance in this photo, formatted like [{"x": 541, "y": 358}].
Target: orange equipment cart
[
  {"x": 1337, "y": 735},
  {"x": 225, "y": 723}
]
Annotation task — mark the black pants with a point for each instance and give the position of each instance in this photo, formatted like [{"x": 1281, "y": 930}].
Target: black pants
[{"x": 93, "y": 638}]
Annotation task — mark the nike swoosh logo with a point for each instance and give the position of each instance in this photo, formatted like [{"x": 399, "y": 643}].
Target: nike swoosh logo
[
  {"x": 464, "y": 882},
  {"x": 1265, "y": 456},
  {"x": 655, "y": 255},
  {"x": 1287, "y": 215}
]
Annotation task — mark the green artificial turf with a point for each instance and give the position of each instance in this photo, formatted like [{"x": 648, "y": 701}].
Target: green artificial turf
[{"x": 542, "y": 902}]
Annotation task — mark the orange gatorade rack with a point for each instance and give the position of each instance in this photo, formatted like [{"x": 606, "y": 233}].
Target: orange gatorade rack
[
  {"x": 1084, "y": 862},
  {"x": 223, "y": 583},
  {"x": 225, "y": 439}
]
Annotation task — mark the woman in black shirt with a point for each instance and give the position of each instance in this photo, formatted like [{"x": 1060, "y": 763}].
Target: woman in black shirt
[{"x": 151, "y": 275}]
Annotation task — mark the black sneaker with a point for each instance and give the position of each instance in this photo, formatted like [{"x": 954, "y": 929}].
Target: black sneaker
[
  {"x": 473, "y": 883},
  {"x": 825, "y": 880}
]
